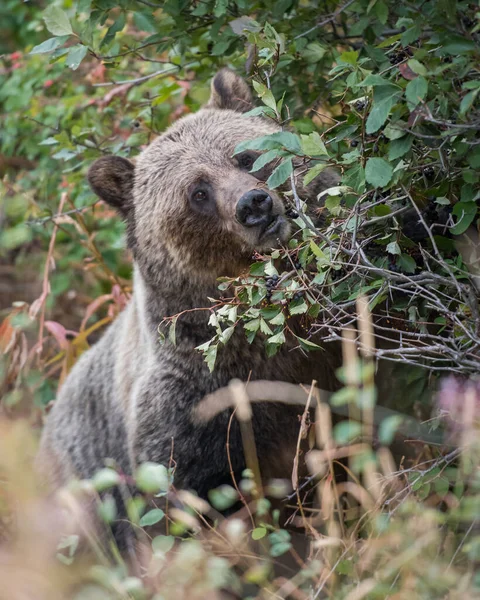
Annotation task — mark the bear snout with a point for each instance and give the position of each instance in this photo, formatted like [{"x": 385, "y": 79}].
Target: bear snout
[{"x": 254, "y": 209}]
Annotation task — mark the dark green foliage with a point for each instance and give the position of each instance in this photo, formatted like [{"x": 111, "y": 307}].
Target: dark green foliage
[{"x": 384, "y": 92}]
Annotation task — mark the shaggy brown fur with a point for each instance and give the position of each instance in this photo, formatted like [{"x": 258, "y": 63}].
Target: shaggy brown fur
[{"x": 131, "y": 399}]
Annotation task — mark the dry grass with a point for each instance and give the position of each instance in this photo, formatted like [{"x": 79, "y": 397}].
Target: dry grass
[{"x": 376, "y": 532}]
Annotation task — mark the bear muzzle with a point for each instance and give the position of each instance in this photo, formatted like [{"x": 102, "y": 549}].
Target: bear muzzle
[
  {"x": 254, "y": 209},
  {"x": 259, "y": 213}
]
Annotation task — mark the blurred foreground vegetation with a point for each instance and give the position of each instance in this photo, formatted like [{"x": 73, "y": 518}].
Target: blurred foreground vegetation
[{"x": 387, "y": 93}]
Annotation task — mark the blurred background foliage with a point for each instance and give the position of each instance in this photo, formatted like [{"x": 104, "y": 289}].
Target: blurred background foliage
[
  {"x": 386, "y": 92},
  {"x": 390, "y": 88}
]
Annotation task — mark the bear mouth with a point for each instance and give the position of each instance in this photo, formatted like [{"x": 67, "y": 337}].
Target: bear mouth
[{"x": 273, "y": 228}]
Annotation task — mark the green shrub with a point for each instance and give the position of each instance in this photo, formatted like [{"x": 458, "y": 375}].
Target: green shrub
[{"x": 384, "y": 92}]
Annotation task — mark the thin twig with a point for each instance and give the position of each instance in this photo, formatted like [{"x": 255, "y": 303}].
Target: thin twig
[
  {"x": 137, "y": 80},
  {"x": 329, "y": 19}
]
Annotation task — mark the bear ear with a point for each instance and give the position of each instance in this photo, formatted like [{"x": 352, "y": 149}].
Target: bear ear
[
  {"x": 111, "y": 178},
  {"x": 228, "y": 90}
]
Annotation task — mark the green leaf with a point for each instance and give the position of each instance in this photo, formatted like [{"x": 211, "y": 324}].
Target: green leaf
[
  {"x": 297, "y": 307},
  {"x": 474, "y": 84},
  {"x": 319, "y": 253},
  {"x": 351, "y": 157},
  {"x": 57, "y": 21},
  {"x": 269, "y": 312},
  {"x": 465, "y": 213},
  {"x": 407, "y": 264},
  {"x": 467, "y": 101},
  {"x": 221, "y": 47},
  {"x": 346, "y": 431},
  {"x": 416, "y": 91},
  {"x": 112, "y": 31},
  {"x": 473, "y": 158},
  {"x": 346, "y": 567},
  {"x": 220, "y": 8},
  {"x": 332, "y": 204},
  {"x": 384, "y": 97},
  {"x": 105, "y": 479},
  {"x": 280, "y": 174},
  {"x": 399, "y": 147},
  {"x": 278, "y": 320},
  {"x": 265, "y": 95},
  {"x": 163, "y": 543},
  {"x": 259, "y": 111},
  {"x": 314, "y": 172},
  {"x": 355, "y": 178},
  {"x": 211, "y": 357},
  {"x": 264, "y": 159},
  {"x": 172, "y": 331},
  {"x": 394, "y": 131},
  {"x": 388, "y": 428},
  {"x": 244, "y": 24},
  {"x": 381, "y": 210},
  {"x": 381, "y": 11},
  {"x": 468, "y": 193},
  {"x": 377, "y": 117},
  {"x": 107, "y": 510},
  {"x": 258, "y": 533},
  {"x": 393, "y": 248},
  {"x": 374, "y": 80},
  {"x": 75, "y": 56},
  {"x": 336, "y": 190},
  {"x": 378, "y": 172},
  {"x": 280, "y": 548},
  {"x": 389, "y": 41},
  {"x": 417, "y": 67},
  {"x": 83, "y": 6},
  {"x": 227, "y": 334},
  {"x": 14, "y": 237},
  {"x": 290, "y": 141},
  {"x": 270, "y": 268},
  {"x": 307, "y": 344},
  {"x": 279, "y": 338},
  {"x": 280, "y": 139},
  {"x": 441, "y": 486},
  {"x": 152, "y": 517},
  {"x": 457, "y": 44},
  {"x": 48, "y": 45},
  {"x": 351, "y": 57},
  {"x": 223, "y": 497},
  {"x": 64, "y": 154},
  {"x": 264, "y": 328},
  {"x": 257, "y": 268},
  {"x": 312, "y": 145},
  {"x": 50, "y": 141},
  {"x": 279, "y": 535},
  {"x": 145, "y": 22},
  {"x": 314, "y": 52},
  {"x": 152, "y": 478},
  {"x": 410, "y": 35}
]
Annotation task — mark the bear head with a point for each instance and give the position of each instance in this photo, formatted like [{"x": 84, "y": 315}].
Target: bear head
[{"x": 188, "y": 199}]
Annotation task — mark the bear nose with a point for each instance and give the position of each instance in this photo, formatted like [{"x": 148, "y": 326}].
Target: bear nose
[{"x": 253, "y": 208}]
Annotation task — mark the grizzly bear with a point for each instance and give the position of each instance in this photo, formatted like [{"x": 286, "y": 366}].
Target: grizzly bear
[{"x": 194, "y": 211}]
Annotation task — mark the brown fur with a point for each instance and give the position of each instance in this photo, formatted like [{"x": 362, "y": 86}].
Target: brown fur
[{"x": 131, "y": 399}]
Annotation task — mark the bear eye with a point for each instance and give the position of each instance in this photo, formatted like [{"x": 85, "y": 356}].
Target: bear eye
[
  {"x": 200, "y": 196},
  {"x": 246, "y": 161}
]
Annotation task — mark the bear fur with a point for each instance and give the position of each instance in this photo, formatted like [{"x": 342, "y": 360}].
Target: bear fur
[{"x": 130, "y": 398}]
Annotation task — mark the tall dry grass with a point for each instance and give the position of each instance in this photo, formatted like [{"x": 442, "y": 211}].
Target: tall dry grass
[{"x": 379, "y": 530}]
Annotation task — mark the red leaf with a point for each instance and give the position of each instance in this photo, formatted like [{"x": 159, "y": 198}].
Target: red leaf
[
  {"x": 407, "y": 72},
  {"x": 416, "y": 117},
  {"x": 93, "y": 307},
  {"x": 59, "y": 333}
]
